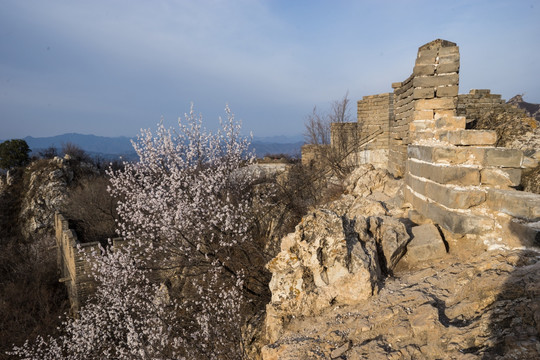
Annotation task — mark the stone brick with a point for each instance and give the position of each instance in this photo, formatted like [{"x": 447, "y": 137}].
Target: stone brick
[
  {"x": 443, "y": 113},
  {"x": 446, "y": 91},
  {"x": 520, "y": 204},
  {"x": 428, "y": 52},
  {"x": 457, "y": 175},
  {"x": 435, "y": 104},
  {"x": 420, "y": 125},
  {"x": 423, "y": 115},
  {"x": 425, "y": 93},
  {"x": 423, "y": 135},
  {"x": 528, "y": 234},
  {"x": 479, "y": 91},
  {"x": 458, "y": 155},
  {"x": 503, "y": 157},
  {"x": 420, "y": 152},
  {"x": 416, "y": 184},
  {"x": 450, "y": 58},
  {"x": 449, "y": 50},
  {"x": 426, "y": 57},
  {"x": 454, "y": 198},
  {"x": 453, "y": 221},
  {"x": 448, "y": 68},
  {"x": 469, "y": 137},
  {"x": 426, "y": 244},
  {"x": 458, "y": 222},
  {"x": 502, "y": 178},
  {"x": 424, "y": 70},
  {"x": 419, "y": 204},
  {"x": 433, "y": 81},
  {"x": 450, "y": 123}
]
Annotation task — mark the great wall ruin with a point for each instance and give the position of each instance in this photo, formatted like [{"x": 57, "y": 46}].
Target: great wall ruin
[
  {"x": 450, "y": 190},
  {"x": 453, "y": 176},
  {"x": 433, "y": 254}
]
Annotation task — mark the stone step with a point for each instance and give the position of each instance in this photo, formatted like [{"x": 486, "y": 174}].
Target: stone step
[
  {"x": 485, "y": 156},
  {"x": 520, "y": 204},
  {"x": 450, "y": 196},
  {"x": 456, "y": 175},
  {"x": 453, "y": 221}
]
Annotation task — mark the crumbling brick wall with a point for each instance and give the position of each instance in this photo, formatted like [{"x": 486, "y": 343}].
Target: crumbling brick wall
[
  {"x": 462, "y": 182},
  {"x": 72, "y": 262},
  {"x": 479, "y": 102},
  {"x": 455, "y": 177},
  {"x": 366, "y": 141},
  {"x": 435, "y": 78}
]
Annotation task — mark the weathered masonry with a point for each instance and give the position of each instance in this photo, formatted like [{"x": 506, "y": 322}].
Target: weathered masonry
[
  {"x": 72, "y": 260},
  {"x": 454, "y": 176},
  {"x": 71, "y": 257}
]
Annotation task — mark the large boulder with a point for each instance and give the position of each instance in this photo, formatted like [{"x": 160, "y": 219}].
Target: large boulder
[
  {"x": 365, "y": 180},
  {"x": 331, "y": 260}
]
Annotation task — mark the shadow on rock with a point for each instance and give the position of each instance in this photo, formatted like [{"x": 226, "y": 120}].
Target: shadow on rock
[{"x": 514, "y": 327}]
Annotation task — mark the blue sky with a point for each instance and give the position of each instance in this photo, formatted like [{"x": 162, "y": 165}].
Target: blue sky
[{"x": 113, "y": 67}]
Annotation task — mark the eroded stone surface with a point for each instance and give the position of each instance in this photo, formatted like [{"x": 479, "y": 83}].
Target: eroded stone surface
[{"x": 484, "y": 307}]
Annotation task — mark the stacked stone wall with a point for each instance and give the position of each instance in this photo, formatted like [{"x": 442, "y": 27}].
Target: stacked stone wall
[
  {"x": 312, "y": 154},
  {"x": 479, "y": 102},
  {"x": 429, "y": 93},
  {"x": 399, "y": 129},
  {"x": 366, "y": 141},
  {"x": 74, "y": 267},
  {"x": 458, "y": 179},
  {"x": 454, "y": 176}
]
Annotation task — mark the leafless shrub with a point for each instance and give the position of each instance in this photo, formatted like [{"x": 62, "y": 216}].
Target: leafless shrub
[
  {"x": 335, "y": 146},
  {"x": 48, "y": 153},
  {"x": 91, "y": 210},
  {"x": 31, "y": 297},
  {"x": 75, "y": 152},
  {"x": 508, "y": 125}
]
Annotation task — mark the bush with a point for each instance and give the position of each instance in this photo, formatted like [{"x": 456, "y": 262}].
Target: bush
[
  {"x": 14, "y": 153},
  {"x": 508, "y": 125},
  {"x": 75, "y": 152},
  {"x": 91, "y": 210},
  {"x": 48, "y": 153}
]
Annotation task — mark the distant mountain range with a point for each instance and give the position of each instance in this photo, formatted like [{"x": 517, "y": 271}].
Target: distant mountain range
[{"x": 114, "y": 147}]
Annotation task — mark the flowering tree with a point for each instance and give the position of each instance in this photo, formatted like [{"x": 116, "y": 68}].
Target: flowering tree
[
  {"x": 188, "y": 211},
  {"x": 185, "y": 213}
]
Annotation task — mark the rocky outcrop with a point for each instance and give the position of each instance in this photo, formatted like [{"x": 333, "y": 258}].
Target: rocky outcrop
[
  {"x": 532, "y": 110},
  {"x": 32, "y": 195},
  {"x": 483, "y": 307},
  {"x": 46, "y": 190},
  {"x": 338, "y": 254},
  {"x": 358, "y": 280}
]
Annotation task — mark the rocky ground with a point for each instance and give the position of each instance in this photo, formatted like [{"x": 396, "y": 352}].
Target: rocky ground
[
  {"x": 483, "y": 307},
  {"x": 342, "y": 290}
]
